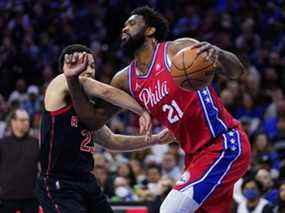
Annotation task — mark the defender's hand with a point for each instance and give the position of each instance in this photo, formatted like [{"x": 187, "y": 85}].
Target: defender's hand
[
  {"x": 145, "y": 125},
  {"x": 75, "y": 64},
  {"x": 165, "y": 137},
  {"x": 213, "y": 52}
]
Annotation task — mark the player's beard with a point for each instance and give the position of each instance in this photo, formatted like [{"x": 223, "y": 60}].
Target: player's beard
[{"x": 133, "y": 43}]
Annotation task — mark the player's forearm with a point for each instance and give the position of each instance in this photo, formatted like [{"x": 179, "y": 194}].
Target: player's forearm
[
  {"x": 84, "y": 109},
  {"x": 124, "y": 143},
  {"x": 110, "y": 94},
  {"x": 230, "y": 64}
]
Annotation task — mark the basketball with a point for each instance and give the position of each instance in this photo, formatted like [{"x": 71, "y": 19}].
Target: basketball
[{"x": 192, "y": 71}]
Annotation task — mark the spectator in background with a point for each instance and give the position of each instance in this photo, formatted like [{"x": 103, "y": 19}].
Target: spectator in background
[
  {"x": 277, "y": 97},
  {"x": 174, "y": 149},
  {"x": 228, "y": 100},
  {"x": 149, "y": 187},
  {"x": 264, "y": 156},
  {"x": 138, "y": 170},
  {"x": 164, "y": 186},
  {"x": 125, "y": 170},
  {"x": 249, "y": 110},
  {"x": 105, "y": 181},
  {"x": 269, "y": 192},
  {"x": 19, "y": 155},
  {"x": 19, "y": 94},
  {"x": 47, "y": 74},
  {"x": 153, "y": 177},
  {"x": 246, "y": 125},
  {"x": 254, "y": 202},
  {"x": 33, "y": 104},
  {"x": 280, "y": 208},
  {"x": 281, "y": 128},
  {"x": 273, "y": 125},
  {"x": 123, "y": 190},
  {"x": 3, "y": 112},
  {"x": 170, "y": 167},
  {"x": 100, "y": 161}
]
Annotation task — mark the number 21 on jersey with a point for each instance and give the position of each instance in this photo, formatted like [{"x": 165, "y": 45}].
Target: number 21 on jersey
[{"x": 173, "y": 110}]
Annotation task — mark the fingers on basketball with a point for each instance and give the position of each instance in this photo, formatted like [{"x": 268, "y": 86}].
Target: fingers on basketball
[{"x": 191, "y": 70}]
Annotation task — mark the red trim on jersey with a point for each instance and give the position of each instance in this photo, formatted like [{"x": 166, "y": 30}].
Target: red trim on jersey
[
  {"x": 50, "y": 196},
  {"x": 61, "y": 110},
  {"x": 51, "y": 144}
]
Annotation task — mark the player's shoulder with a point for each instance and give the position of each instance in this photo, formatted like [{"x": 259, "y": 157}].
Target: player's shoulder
[
  {"x": 58, "y": 81},
  {"x": 55, "y": 94},
  {"x": 120, "y": 79},
  {"x": 180, "y": 43}
]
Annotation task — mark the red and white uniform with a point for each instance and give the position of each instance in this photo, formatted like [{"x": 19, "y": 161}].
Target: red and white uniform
[{"x": 198, "y": 120}]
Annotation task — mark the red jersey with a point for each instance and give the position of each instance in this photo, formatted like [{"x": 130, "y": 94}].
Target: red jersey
[{"x": 195, "y": 117}]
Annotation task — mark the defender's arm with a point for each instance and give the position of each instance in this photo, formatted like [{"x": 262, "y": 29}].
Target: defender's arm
[
  {"x": 110, "y": 94},
  {"x": 123, "y": 143},
  {"x": 74, "y": 66}
]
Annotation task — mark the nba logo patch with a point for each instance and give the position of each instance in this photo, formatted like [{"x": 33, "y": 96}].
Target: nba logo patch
[
  {"x": 184, "y": 178},
  {"x": 74, "y": 121}
]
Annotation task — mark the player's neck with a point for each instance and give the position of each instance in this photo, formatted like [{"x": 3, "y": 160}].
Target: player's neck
[{"x": 144, "y": 55}]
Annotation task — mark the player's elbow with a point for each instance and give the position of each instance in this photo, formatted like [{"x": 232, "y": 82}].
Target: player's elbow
[{"x": 238, "y": 71}]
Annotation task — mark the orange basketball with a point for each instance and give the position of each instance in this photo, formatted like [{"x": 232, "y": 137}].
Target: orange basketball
[{"x": 192, "y": 71}]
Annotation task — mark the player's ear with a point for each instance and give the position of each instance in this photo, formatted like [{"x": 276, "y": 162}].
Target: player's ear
[{"x": 150, "y": 31}]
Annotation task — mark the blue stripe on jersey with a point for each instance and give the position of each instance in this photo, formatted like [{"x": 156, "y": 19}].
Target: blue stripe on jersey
[
  {"x": 203, "y": 187},
  {"x": 216, "y": 125}
]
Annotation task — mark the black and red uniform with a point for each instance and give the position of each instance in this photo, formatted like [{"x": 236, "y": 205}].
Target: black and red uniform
[{"x": 65, "y": 183}]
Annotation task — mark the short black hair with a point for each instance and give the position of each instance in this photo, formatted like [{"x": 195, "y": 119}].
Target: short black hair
[
  {"x": 251, "y": 179},
  {"x": 154, "y": 19},
  {"x": 154, "y": 166},
  {"x": 71, "y": 49}
]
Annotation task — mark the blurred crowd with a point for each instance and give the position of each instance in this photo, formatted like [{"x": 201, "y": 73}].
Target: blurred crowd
[{"x": 33, "y": 32}]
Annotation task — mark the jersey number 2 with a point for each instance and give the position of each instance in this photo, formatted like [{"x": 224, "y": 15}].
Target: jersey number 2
[
  {"x": 174, "y": 111},
  {"x": 84, "y": 146}
]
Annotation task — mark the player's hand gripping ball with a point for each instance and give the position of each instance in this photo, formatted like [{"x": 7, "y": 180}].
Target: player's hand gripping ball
[{"x": 193, "y": 67}]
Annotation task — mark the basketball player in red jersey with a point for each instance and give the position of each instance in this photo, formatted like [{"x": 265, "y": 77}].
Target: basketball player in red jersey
[{"x": 217, "y": 150}]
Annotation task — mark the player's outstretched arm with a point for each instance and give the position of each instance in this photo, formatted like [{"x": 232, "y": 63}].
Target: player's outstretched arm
[
  {"x": 124, "y": 143},
  {"x": 74, "y": 65},
  {"x": 229, "y": 63},
  {"x": 119, "y": 98}
]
